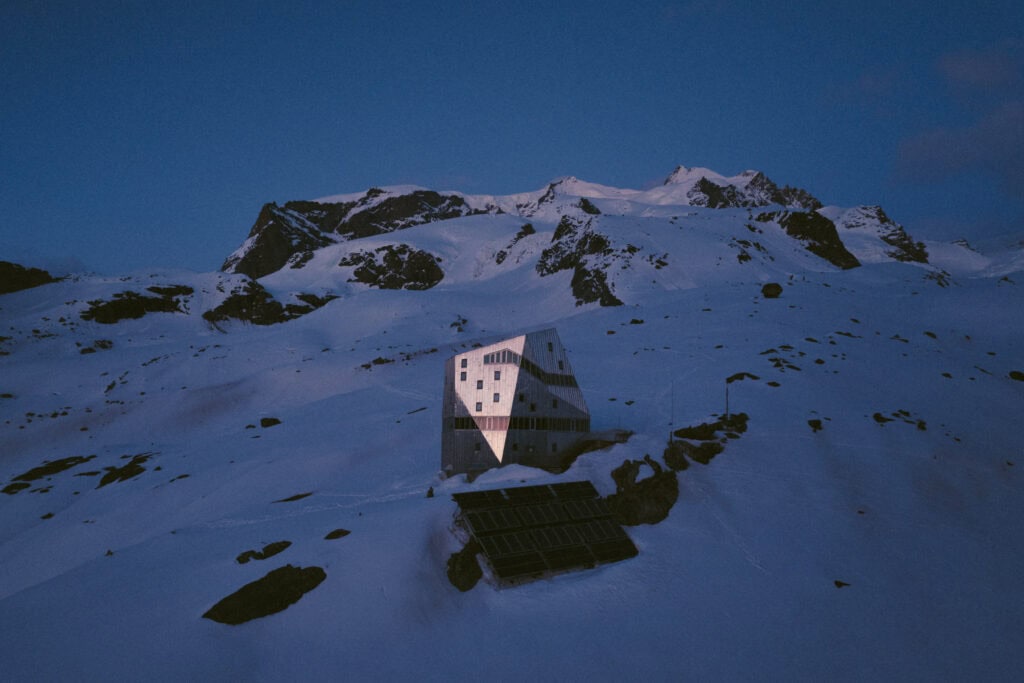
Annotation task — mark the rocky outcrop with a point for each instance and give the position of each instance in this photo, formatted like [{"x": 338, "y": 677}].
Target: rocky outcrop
[
  {"x": 818, "y": 234},
  {"x": 279, "y": 234},
  {"x": 273, "y": 593},
  {"x": 395, "y": 267},
  {"x": 754, "y": 189},
  {"x": 647, "y": 501},
  {"x": 14, "y": 278},
  {"x": 904, "y": 248},
  {"x": 288, "y": 235},
  {"x": 578, "y": 247},
  {"x": 250, "y": 302},
  {"x": 132, "y": 305}
]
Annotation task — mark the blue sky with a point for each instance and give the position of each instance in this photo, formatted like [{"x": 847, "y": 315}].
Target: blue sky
[{"x": 148, "y": 134}]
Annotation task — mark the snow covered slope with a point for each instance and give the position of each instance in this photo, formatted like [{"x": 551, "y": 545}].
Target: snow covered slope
[{"x": 866, "y": 525}]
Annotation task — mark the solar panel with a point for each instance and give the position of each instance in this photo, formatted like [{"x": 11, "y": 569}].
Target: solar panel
[{"x": 529, "y": 531}]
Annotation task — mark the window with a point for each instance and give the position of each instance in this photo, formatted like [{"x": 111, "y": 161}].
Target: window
[
  {"x": 497, "y": 375},
  {"x": 476, "y": 446},
  {"x": 554, "y": 403},
  {"x": 463, "y": 362},
  {"x": 554, "y": 448},
  {"x": 497, "y": 398},
  {"x": 515, "y": 446},
  {"x": 462, "y": 376},
  {"x": 533, "y": 407},
  {"x": 522, "y": 398},
  {"x": 479, "y": 384},
  {"x": 561, "y": 365},
  {"x": 479, "y": 406},
  {"x": 551, "y": 347}
]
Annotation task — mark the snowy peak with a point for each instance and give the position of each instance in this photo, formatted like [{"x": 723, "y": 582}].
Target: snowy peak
[{"x": 704, "y": 187}]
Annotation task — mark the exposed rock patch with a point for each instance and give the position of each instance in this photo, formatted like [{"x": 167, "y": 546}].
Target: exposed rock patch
[
  {"x": 250, "y": 302},
  {"x": 132, "y": 305},
  {"x": 647, "y": 501},
  {"x": 129, "y": 470},
  {"x": 818, "y": 234},
  {"x": 14, "y": 277},
  {"x": 771, "y": 290},
  {"x": 269, "y": 550},
  {"x": 336, "y": 534},
  {"x": 578, "y": 247},
  {"x": 273, "y": 593},
  {"x": 395, "y": 267},
  {"x": 463, "y": 568}
]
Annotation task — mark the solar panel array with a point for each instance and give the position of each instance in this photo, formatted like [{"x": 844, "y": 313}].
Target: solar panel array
[{"x": 528, "y": 531}]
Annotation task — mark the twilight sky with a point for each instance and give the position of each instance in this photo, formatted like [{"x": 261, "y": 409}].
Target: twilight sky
[{"x": 143, "y": 134}]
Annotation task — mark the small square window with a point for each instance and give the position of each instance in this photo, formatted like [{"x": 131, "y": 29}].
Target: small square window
[
  {"x": 464, "y": 362},
  {"x": 479, "y": 406},
  {"x": 554, "y": 403},
  {"x": 515, "y": 446},
  {"x": 497, "y": 375},
  {"x": 522, "y": 398},
  {"x": 479, "y": 384},
  {"x": 497, "y": 398},
  {"x": 462, "y": 376}
]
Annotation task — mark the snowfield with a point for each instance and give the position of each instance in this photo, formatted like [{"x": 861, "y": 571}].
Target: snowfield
[{"x": 867, "y": 525}]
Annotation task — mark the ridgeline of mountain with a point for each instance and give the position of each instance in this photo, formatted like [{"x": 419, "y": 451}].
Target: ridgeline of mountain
[{"x": 592, "y": 231}]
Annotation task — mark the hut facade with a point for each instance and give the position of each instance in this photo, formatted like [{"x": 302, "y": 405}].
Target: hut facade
[{"x": 514, "y": 401}]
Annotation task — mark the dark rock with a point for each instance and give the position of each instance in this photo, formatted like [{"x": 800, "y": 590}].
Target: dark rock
[
  {"x": 277, "y": 234},
  {"x": 815, "y": 425},
  {"x": 52, "y": 467},
  {"x": 675, "y": 455},
  {"x": 273, "y": 593},
  {"x": 463, "y": 569},
  {"x": 818, "y": 234},
  {"x": 132, "y": 305},
  {"x": 297, "y": 496},
  {"x": 250, "y": 303},
  {"x": 336, "y": 534},
  {"x": 840, "y": 584},
  {"x": 647, "y": 501},
  {"x": 395, "y": 267},
  {"x": 14, "y": 278},
  {"x": 588, "y": 207},
  {"x": 1017, "y": 375},
  {"x": 129, "y": 470},
  {"x": 269, "y": 550},
  {"x": 269, "y": 422},
  {"x": 771, "y": 290},
  {"x": 14, "y": 487}
]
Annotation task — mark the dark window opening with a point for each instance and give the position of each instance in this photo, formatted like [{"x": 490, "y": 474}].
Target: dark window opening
[
  {"x": 497, "y": 375},
  {"x": 462, "y": 376},
  {"x": 554, "y": 403},
  {"x": 464, "y": 362},
  {"x": 533, "y": 407},
  {"x": 554, "y": 448},
  {"x": 476, "y": 446},
  {"x": 479, "y": 406},
  {"x": 551, "y": 346},
  {"x": 522, "y": 398},
  {"x": 479, "y": 384},
  {"x": 561, "y": 365},
  {"x": 497, "y": 398}
]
